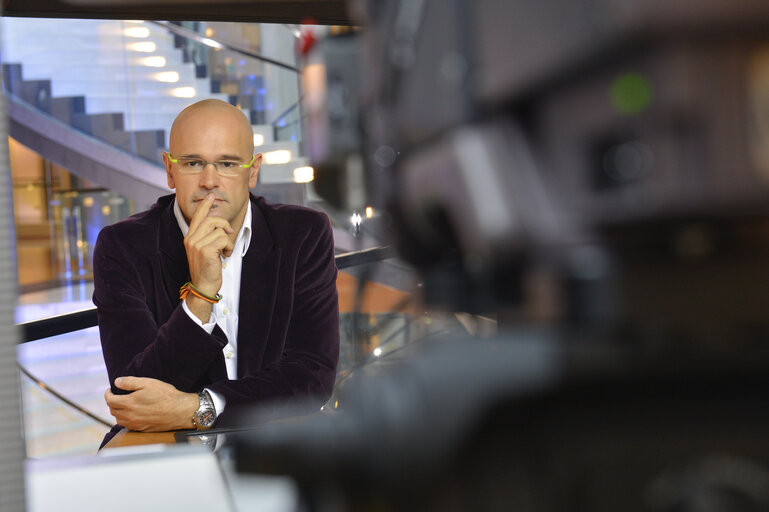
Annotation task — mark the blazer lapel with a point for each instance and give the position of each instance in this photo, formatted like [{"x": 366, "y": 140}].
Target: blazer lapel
[
  {"x": 258, "y": 289},
  {"x": 173, "y": 257}
]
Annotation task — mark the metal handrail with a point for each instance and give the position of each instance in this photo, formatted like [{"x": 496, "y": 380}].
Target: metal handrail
[
  {"x": 213, "y": 43},
  {"x": 58, "y": 324},
  {"x": 42, "y": 385},
  {"x": 83, "y": 319},
  {"x": 216, "y": 43},
  {"x": 374, "y": 254},
  {"x": 286, "y": 112}
]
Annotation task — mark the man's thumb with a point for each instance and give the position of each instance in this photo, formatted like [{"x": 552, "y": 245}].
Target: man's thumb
[{"x": 128, "y": 383}]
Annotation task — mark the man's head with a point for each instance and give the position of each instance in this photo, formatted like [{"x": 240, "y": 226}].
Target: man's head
[{"x": 212, "y": 131}]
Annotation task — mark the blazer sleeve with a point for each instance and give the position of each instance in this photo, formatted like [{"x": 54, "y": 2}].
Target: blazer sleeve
[
  {"x": 133, "y": 343},
  {"x": 305, "y": 374}
]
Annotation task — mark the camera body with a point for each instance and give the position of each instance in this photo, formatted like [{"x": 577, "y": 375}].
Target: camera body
[{"x": 596, "y": 171}]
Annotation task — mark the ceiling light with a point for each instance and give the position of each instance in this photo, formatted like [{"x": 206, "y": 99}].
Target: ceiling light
[
  {"x": 258, "y": 139},
  {"x": 167, "y": 76},
  {"x": 184, "y": 92},
  {"x": 304, "y": 174},
  {"x": 280, "y": 156},
  {"x": 156, "y": 61},
  {"x": 137, "y": 32},
  {"x": 143, "y": 46}
]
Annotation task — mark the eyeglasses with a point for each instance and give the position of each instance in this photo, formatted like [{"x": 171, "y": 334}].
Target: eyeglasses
[{"x": 229, "y": 168}]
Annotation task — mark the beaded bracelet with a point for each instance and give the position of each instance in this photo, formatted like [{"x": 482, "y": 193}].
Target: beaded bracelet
[{"x": 188, "y": 288}]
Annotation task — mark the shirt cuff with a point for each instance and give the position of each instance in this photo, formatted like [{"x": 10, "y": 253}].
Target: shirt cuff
[
  {"x": 208, "y": 327},
  {"x": 219, "y": 401}
]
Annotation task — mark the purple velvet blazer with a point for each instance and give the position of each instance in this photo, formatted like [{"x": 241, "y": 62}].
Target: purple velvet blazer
[{"x": 288, "y": 332}]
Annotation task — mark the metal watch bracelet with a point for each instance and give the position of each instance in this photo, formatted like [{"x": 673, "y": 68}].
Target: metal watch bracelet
[{"x": 205, "y": 416}]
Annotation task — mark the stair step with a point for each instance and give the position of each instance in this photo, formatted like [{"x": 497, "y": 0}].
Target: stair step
[
  {"x": 98, "y": 124},
  {"x": 110, "y": 128},
  {"x": 36, "y": 93},
  {"x": 84, "y": 48},
  {"x": 63, "y": 108},
  {"x": 115, "y": 102},
  {"x": 119, "y": 73},
  {"x": 76, "y": 87}
]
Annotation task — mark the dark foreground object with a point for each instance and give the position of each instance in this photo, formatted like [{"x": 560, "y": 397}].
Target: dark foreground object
[{"x": 531, "y": 425}]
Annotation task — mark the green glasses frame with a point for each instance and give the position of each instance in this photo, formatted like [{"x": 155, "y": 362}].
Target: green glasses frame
[{"x": 223, "y": 167}]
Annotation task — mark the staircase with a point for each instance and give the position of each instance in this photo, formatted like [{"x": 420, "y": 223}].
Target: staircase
[{"x": 123, "y": 83}]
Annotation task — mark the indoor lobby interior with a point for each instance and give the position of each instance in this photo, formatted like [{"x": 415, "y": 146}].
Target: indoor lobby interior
[{"x": 550, "y": 224}]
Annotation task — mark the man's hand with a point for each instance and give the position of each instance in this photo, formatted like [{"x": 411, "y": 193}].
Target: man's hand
[
  {"x": 154, "y": 406},
  {"x": 208, "y": 239}
]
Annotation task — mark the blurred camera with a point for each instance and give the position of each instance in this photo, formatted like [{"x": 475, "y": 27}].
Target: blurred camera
[{"x": 596, "y": 173}]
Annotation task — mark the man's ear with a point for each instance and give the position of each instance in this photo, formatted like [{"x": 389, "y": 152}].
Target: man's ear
[
  {"x": 255, "y": 170},
  {"x": 169, "y": 176}
]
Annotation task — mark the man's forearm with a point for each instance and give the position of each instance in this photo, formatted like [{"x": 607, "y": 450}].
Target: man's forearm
[{"x": 152, "y": 405}]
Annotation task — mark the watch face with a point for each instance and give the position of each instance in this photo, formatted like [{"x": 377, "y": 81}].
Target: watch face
[{"x": 206, "y": 418}]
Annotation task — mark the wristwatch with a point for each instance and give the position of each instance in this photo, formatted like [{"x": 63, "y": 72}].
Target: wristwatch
[{"x": 205, "y": 416}]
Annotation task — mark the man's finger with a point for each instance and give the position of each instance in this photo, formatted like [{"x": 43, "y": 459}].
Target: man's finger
[
  {"x": 205, "y": 227},
  {"x": 130, "y": 383},
  {"x": 217, "y": 222},
  {"x": 202, "y": 211},
  {"x": 217, "y": 239},
  {"x": 114, "y": 402}
]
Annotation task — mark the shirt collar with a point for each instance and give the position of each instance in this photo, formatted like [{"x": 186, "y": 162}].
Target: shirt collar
[{"x": 244, "y": 233}]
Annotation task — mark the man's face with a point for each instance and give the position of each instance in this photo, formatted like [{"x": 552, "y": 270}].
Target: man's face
[{"x": 212, "y": 134}]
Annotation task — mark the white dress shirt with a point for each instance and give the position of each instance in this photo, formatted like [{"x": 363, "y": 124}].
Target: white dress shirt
[{"x": 225, "y": 312}]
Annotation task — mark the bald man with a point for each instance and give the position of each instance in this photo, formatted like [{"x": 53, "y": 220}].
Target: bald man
[{"x": 213, "y": 299}]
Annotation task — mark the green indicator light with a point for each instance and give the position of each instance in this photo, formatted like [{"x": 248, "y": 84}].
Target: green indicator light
[{"x": 631, "y": 93}]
